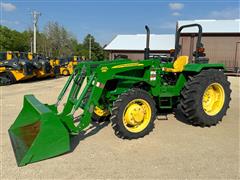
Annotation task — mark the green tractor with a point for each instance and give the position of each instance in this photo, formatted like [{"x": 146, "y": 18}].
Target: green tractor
[{"x": 130, "y": 93}]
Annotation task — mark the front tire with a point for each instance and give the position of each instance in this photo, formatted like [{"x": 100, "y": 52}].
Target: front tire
[
  {"x": 65, "y": 72},
  {"x": 206, "y": 97},
  {"x": 133, "y": 114}
]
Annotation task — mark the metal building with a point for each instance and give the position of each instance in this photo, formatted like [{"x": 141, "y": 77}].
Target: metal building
[
  {"x": 221, "y": 39},
  {"x": 133, "y": 45}
]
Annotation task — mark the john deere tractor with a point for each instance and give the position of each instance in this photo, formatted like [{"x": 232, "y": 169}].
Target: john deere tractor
[
  {"x": 14, "y": 68},
  {"x": 130, "y": 92}
]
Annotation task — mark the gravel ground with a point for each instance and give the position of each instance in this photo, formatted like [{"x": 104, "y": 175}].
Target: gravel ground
[{"x": 173, "y": 150}]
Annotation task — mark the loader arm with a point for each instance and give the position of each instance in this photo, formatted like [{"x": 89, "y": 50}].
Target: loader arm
[
  {"x": 85, "y": 93},
  {"x": 87, "y": 89}
]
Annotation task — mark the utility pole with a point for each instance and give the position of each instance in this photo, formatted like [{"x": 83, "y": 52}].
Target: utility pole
[
  {"x": 31, "y": 44},
  {"x": 35, "y": 21},
  {"x": 90, "y": 47}
]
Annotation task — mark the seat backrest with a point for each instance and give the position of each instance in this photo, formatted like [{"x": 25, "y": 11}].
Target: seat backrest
[{"x": 179, "y": 63}]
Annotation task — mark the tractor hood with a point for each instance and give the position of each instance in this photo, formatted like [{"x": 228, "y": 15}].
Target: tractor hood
[{"x": 92, "y": 65}]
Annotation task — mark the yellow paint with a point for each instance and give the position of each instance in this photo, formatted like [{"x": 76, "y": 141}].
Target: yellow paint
[
  {"x": 9, "y": 55},
  {"x": 57, "y": 62},
  {"x": 19, "y": 75},
  {"x": 178, "y": 65},
  {"x": 54, "y": 62},
  {"x": 104, "y": 69},
  {"x": 30, "y": 56},
  {"x": 137, "y": 115},
  {"x": 2, "y": 69},
  {"x": 64, "y": 71},
  {"x": 213, "y": 99},
  {"x": 100, "y": 112},
  {"x": 127, "y": 65},
  {"x": 68, "y": 68},
  {"x": 75, "y": 58},
  {"x": 42, "y": 74}
]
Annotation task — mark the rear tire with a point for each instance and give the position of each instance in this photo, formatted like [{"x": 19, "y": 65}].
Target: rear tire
[
  {"x": 205, "y": 98},
  {"x": 142, "y": 114}
]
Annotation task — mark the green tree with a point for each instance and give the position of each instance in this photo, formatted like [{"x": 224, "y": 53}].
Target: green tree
[
  {"x": 13, "y": 40},
  {"x": 54, "y": 41},
  {"x": 97, "y": 52},
  {"x": 59, "y": 41}
]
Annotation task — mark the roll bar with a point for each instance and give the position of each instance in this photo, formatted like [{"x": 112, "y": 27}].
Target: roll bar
[{"x": 178, "y": 34}]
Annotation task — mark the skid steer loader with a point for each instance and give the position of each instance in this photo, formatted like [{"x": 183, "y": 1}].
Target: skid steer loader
[
  {"x": 67, "y": 65},
  {"x": 128, "y": 91},
  {"x": 14, "y": 68},
  {"x": 42, "y": 66}
]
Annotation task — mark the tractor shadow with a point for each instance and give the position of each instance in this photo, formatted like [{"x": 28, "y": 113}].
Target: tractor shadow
[
  {"x": 180, "y": 116},
  {"x": 163, "y": 116},
  {"x": 96, "y": 126},
  {"x": 93, "y": 129},
  {"x": 36, "y": 80}
]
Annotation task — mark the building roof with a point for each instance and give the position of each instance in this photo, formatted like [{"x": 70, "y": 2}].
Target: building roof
[
  {"x": 167, "y": 41},
  {"x": 138, "y": 42},
  {"x": 213, "y": 26}
]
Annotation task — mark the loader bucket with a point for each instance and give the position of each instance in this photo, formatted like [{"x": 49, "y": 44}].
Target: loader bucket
[{"x": 37, "y": 133}]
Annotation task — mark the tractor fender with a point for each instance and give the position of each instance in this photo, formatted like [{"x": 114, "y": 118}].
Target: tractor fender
[{"x": 199, "y": 67}]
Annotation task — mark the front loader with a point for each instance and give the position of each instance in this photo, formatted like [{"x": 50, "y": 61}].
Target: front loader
[
  {"x": 14, "y": 68},
  {"x": 130, "y": 93},
  {"x": 43, "y": 67},
  {"x": 67, "y": 65}
]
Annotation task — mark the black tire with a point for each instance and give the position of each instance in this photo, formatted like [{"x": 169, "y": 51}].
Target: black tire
[
  {"x": 12, "y": 78},
  {"x": 192, "y": 95},
  {"x": 118, "y": 111},
  {"x": 97, "y": 118},
  {"x": 7, "y": 78}
]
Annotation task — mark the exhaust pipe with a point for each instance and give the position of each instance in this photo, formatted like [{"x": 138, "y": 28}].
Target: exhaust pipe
[{"x": 147, "y": 49}]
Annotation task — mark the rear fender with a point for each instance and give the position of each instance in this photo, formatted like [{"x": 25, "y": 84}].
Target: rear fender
[{"x": 199, "y": 67}]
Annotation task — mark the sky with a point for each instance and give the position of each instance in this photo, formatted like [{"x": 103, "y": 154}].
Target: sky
[{"x": 105, "y": 19}]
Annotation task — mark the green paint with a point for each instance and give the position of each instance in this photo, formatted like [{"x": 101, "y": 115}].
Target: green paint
[{"x": 41, "y": 132}]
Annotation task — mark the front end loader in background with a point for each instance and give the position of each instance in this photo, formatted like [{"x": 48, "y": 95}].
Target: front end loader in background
[
  {"x": 130, "y": 92},
  {"x": 14, "y": 68},
  {"x": 67, "y": 65},
  {"x": 42, "y": 66}
]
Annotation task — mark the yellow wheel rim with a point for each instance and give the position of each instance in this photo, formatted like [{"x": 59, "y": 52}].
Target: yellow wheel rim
[
  {"x": 213, "y": 99},
  {"x": 65, "y": 72},
  {"x": 137, "y": 115}
]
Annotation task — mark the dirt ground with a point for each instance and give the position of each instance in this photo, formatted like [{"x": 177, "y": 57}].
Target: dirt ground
[{"x": 173, "y": 150}]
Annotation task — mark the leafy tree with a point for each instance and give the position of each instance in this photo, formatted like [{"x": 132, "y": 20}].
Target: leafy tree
[
  {"x": 54, "y": 41},
  {"x": 97, "y": 52},
  {"x": 13, "y": 40}
]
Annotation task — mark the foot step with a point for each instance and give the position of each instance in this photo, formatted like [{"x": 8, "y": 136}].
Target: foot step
[{"x": 162, "y": 117}]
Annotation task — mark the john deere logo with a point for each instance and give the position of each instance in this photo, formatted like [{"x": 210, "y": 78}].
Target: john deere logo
[{"x": 104, "y": 69}]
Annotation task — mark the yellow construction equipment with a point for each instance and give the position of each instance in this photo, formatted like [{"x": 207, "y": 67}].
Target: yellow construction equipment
[
  {"x": 14, "y": 68},
  {"x": 42, "y": 66},
  {"x": 67, "y": 65}
]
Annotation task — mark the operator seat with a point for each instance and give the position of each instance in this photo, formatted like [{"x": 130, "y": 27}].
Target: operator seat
[{"x": 178, "y": 64}]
